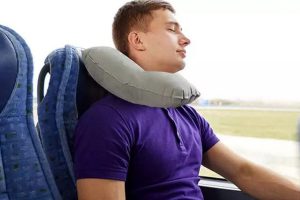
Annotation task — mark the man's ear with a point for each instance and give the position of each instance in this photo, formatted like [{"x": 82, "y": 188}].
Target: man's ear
[{"x": 135, "y": 41}]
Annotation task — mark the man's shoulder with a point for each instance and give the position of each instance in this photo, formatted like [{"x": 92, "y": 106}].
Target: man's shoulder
[
  {"x": 113, "y": 105},
  {"x": 117, "y": 103},
  {"x": 112, "y": 111}
]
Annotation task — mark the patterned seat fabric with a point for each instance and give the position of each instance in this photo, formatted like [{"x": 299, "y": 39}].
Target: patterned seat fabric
[
  {"x": 24, "y": 169},
  {"x": 70, "y": 92}
]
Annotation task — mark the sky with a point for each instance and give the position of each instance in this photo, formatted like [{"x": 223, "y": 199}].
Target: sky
[{"x": 240, "y": 49}]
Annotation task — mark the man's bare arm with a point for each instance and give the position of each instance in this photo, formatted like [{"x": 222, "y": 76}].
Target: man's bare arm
[
  {"x": 251, "y": 178},
  {"x": 104, "y": 189}
]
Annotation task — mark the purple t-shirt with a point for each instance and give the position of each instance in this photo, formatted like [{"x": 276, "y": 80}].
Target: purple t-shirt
[{"x": 156, "y": 151}]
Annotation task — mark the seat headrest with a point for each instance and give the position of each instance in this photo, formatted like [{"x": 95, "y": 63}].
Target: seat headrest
[{"x": 8, "y": 69}]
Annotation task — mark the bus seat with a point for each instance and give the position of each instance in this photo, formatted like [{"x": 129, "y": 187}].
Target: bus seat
[
  {"x": 24, "y": 170},
  {"x": 70, "y": 92}
]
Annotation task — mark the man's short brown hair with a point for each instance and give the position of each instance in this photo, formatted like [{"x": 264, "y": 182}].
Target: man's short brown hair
[{"x": 134, "y": 14}]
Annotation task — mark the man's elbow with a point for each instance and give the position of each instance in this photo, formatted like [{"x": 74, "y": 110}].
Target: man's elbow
[{"x": 245, "y": 173}]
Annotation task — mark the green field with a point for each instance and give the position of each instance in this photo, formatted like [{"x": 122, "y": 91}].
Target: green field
[{"x": 253, "y": 123}]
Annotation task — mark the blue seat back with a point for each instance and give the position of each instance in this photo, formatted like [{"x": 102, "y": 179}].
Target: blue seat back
[
  {"x": 70, "y": 92},
  {"x": 24, "y": 169}
]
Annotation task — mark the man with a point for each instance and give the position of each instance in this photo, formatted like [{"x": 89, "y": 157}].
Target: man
[{"x": 128, "y": 151}]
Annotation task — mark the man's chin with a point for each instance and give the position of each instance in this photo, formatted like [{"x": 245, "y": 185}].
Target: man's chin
[
  {"x": 181, "y": 67},
  {"x": 174, "y": 68}
]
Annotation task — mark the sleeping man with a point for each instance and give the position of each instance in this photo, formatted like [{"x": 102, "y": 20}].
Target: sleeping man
[{"x": 129, "y": 151}]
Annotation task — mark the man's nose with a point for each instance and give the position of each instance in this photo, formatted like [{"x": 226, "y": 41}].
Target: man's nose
[{"x": 184, "y": 41}]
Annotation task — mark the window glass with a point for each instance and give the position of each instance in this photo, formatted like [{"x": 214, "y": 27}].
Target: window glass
[{"x": 244, "y": 59}]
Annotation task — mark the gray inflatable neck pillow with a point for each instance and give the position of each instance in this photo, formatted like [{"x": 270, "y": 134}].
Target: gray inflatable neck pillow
[{"x": 125, "y": 79}]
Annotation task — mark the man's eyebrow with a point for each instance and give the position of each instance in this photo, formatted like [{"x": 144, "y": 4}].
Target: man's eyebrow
[{"x": 174, "y": 23}]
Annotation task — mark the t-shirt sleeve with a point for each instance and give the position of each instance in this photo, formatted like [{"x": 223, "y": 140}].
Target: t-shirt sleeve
[
  {"x": 208, "y": 137},
  {"x": 102, "y": 145}
]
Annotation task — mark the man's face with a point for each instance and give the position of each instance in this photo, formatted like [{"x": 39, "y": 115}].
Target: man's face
[{"x": 165, "y": 43}]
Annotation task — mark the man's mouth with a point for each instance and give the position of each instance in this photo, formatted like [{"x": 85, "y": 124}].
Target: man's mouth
[{"x": 182, "y": 53}]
